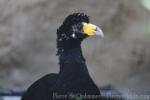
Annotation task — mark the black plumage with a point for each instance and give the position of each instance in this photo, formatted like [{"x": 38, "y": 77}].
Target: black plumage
[{"x": 73, "y": 81}]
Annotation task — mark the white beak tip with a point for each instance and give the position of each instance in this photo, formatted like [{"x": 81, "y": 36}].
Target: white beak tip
[{"x": 99, "y": 32}]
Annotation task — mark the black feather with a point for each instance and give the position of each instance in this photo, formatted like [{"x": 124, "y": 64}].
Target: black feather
[{"x": 65, "y": 31}]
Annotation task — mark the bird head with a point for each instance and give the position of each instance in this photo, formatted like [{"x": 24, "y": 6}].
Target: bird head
[
  {"x": 75, "y": 28},
  {"x": 78, "y": 26}
]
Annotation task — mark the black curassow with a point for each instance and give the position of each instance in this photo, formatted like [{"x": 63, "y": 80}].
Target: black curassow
[{"x": 73, "y": 82}]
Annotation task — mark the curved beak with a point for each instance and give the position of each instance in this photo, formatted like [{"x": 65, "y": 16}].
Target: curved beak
[{"x": 91, "y": 30}]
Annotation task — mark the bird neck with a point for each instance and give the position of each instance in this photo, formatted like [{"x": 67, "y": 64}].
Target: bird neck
[
  {"x": 71, "y": 56},
  {"x": 71, "y": 59}
]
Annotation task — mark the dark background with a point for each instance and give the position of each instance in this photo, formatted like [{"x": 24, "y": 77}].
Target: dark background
[{"x": 28, "y": 42}]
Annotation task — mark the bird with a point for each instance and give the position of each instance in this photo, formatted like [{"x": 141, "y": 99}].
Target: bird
[{"x": 73, "y": 81}]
